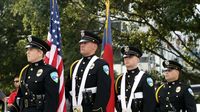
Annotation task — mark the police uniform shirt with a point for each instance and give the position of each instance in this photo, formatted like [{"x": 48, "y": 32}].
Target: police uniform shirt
[
  {"x": 97, "y": 77},
  {"x": 39, "y": 88},
  {"x": 146, "y": 86},
  {"x": 176, "y": 96}
]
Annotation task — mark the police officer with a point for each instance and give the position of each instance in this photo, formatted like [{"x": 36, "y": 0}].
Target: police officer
[
  {"x": 134, "y": 89},
  {"x": 174, "y": 96},
  {"x": 88, "y": 83},
  {"x": 39, "y": 83}
]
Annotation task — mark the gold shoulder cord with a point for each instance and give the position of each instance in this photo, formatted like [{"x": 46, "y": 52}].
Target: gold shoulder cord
[
  {"x": 116, "y": 82},
  {"x": 20, "y": 75},
  {"x": 157, "y": 92},
  {"x": 71, "y": 68}
]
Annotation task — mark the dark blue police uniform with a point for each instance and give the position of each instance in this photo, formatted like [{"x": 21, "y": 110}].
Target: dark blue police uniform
[
  {"x": 175, "y": 96},
  {"x": 97, "y": 84},
  {"x": 144, "y": 94},
  {"x": 39, "y": 84}
]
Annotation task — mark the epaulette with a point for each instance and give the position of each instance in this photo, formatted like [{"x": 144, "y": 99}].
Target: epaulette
[
  {"x": 156, "y": 95},
  {"x": 20, "y": 75},
  {"x": 72, "y": 67},
  {"x": 116, "y": 82}
]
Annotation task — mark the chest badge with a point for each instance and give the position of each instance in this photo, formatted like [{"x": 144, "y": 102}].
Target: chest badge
[
  {"x": 39, "y": 72},
  {"x": 92, "y": 66},
  {"x": 178, "y": 89}
]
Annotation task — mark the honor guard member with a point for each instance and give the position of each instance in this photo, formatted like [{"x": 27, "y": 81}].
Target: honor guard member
[
  {"x": 88, "y": 83},
  {"x": 174, "y": 96},
  {"x": 39, "y": 82},
  {"x": 134, "y": 89}
]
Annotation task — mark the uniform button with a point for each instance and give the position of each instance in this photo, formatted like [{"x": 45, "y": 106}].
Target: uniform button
[
  {"x": 31, "y": 69},
  {"x": 177, "y": 96},
  {"x": 35, "y": 81},
  {"x": 81, "y": 70},
  {"x": 83, "y": 62},
  {"x": 79, "y": 78},
  {"x": 89, "y": 74},
  {"x": 167, "y": 106},
  {"x": 26, "y": 93},
  {"x": 128, "y": 76},
  {"x": 36, "y": 64},
  {"x": 29, "y": 77},
  {"x": 129, "y": 86},
  {"x": 167, "y": 98},
  {"x": 126, "y": 89},
  {"x": 169, "y": 86},
  {"x": 168, "y": 92}
]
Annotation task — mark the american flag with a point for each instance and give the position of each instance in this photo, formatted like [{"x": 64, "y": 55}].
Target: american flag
[{"x": 54, "y": 56}]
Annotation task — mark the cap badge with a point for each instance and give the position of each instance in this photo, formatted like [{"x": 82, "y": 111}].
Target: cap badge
[
  {"x": 29, "y": 38},
  {"x": 126, "y": 48},
  {"x": 82, "y": 33},
  {"x": 178, "y": 89},
  {"x": 166, "y": 62},
  {"x": 39, "y": 72}
]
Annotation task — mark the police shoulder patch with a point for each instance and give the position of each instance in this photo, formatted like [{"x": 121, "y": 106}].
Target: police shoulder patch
[
  {"x": 190, "y": 91},
  {"x": 150, "y": 81},
  {"x": 54, "y": 76},
  {"x": 106, "y": 69}
]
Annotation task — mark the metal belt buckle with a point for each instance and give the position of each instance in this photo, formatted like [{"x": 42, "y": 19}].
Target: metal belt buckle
[
  {"x": 77, "y": 109},
  {"x": 25, "y": 103},
  {"x": 126, "y": 110}
]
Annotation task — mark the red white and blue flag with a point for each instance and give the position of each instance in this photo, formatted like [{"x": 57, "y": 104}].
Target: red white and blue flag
[
  {"x": 107, "y": 55},
  {"x": 54, "y": 56}
]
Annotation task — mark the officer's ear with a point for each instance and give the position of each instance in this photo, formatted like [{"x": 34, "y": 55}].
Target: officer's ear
[{"x": 42, "y": 54}]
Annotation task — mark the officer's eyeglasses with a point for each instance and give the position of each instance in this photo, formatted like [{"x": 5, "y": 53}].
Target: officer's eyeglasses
[{"x": 16, "y": 81}]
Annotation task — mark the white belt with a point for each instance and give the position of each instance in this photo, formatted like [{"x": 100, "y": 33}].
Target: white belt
[
  {"x": 91, "y": 89},
  {"x": 137, "y": 95}
]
